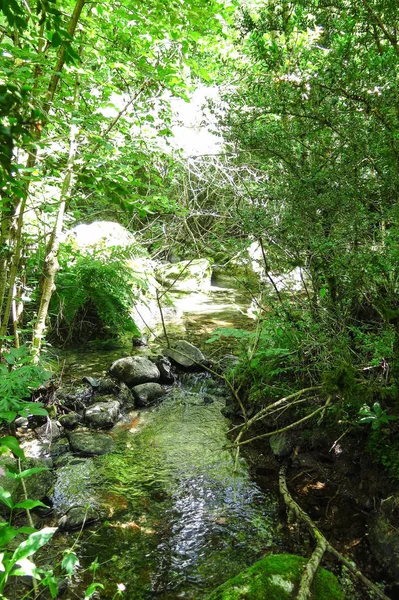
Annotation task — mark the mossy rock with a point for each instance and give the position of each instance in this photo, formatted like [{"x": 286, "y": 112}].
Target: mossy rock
[{"x": 277, "y": 577}]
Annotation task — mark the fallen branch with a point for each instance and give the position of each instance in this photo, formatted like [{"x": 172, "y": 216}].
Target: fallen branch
[
  {"x": 311, "y": 569},
  {"x": 321, "y": 540},
  {"x": 286, "y": 428},
  {"x": 283, "y": 402}
]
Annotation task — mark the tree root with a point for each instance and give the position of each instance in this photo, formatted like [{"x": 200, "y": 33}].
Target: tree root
[
  {"x": 311, "y": 569},
  {"x": 322, "y": 546}
]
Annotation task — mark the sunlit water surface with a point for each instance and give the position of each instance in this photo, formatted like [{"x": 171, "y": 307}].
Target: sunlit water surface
[{"x": 179, "y": 519}]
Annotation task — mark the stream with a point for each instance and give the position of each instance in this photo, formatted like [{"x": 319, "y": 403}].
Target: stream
[{"x": 177, "y": 519}]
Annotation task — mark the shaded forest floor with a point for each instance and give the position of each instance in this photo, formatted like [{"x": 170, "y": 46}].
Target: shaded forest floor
[{"x": 339, "y": 487}]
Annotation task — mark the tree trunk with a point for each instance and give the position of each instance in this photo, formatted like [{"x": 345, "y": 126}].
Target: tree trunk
[
  {"x": 31, "y": 162},
  {"x": 51, "y": 265}
]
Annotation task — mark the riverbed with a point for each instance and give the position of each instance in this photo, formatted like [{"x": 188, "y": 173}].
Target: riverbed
[{"x": 177, "y": 517}]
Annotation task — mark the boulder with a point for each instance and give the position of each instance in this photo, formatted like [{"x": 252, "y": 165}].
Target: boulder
[
  {"x": 281, "y": 445},
  {"x": 384, "y": 536},
  {"x": 90, "y": 443},
  {"x": 134, "y": 370},
  {"x": 125, "y": 397},
  {"x": 78, "y": 516},
  {"x": 147, "y": 393},
  {"x": 49, "y": 433},
  {"x": 70, "y": 420},
  {"x": 106, "y": 386},
  {"x": 75, "y": 398},
  {"x": 59, "y": 448},
  {"x": 165, "y": 369},
  {"x": 38, "y": 485},
  {"x": 185, "y": 276},
  {"x": 277, "y": 576},
  {"x": 185, "y": 354},
  {"x": 77, "y": 483},
  {"x": 103, "y": 414},
  {"x": 100, "y": 236}
]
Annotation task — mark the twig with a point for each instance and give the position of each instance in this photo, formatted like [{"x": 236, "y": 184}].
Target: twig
[
  {"x": 316, "y": 533},
  {"x": 287, "y": 428},
  {"x": 162, "y": 319}
]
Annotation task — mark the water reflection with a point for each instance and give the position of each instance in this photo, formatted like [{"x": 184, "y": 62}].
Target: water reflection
[
  {"x": 187, "y": 522},
  {"x": 180, "y": 520}
]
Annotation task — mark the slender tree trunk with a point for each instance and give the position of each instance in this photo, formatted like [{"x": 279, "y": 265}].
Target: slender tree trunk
[
  {"x": 31, "y": 162},
  {"x": 51, "y": 265}
]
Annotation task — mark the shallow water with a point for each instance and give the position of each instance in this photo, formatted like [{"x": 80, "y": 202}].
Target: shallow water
[{"x": 179, "y": 519}]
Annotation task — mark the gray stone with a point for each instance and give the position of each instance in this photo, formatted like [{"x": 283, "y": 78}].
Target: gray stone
[
  {"x": 77, "y": 516},
  {"x": 139, "y": 341},
  {"x": 384, "y": 536},
  {"x": 107, "y": 386},
  {"x": 58, "y": 448},
  {"x": 185, "y": 354},
  {"x": 90, "y": 443},
  {"x": 49, "y": 432},
  {"x": 134, "y": 370},
  {"x": 37, "y": 485},
  {"x": 227, "y": 362},
  {"x": 70, "y": 420},
  {"x": 75, "y": 398},
  {"x": 125, "y": 397},
  {"x": 103, "y": 414},
  {"x": 281, "y": 445},
  {"x": 77, "y": 484},
  {"x": 165, "y": 368},
  {"x": 93, "y": 381},
  {"x": 185, "y": 276},
  {"x": 147, "y": 393}
]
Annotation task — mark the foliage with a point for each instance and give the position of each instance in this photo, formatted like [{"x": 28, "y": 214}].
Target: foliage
[
  {"x": 375, "y": 415},
  {"x": 383, "y": 447},
  {"x": 19, "y": 377},
  {"x": 95, "y": 295},
  {"x": 18, "y": 562}
]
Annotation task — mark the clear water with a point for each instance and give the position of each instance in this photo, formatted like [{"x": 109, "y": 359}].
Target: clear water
[{"x": 178, "y": 519}]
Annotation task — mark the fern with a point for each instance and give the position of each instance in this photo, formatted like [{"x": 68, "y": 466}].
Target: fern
[{"x": 95, "y": 295}]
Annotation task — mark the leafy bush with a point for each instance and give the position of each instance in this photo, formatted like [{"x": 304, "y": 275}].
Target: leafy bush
[
  {"x": 19, "y": 377},
  {"x": 95, "y": 295}
]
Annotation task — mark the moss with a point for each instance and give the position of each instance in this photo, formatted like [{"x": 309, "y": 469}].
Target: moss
[{"x": 278, "y": 577}]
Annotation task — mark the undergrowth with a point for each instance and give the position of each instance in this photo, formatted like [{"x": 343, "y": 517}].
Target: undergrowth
[{"x": 94, "y": 297}]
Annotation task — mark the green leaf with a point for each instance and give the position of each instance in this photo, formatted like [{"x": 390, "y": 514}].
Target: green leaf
[
  {"x": 29, "y": 472},
  {"x": 323, "y": 292},
  {"x": 33, "y": 408},
  {"x": 7, "y": 415},
  {"x": 26, "y": 568},
  {"x": 30, "y": 504},
  {"x": 56, "y": 40},
  {"x": 7, "y": 533},
  {"x": 70, "y": 562},
  {"x": 27, "y": 530},
  {"x": 5, "y": 498},
  {"x": 91, "y": 589},
  {"x": 33, "y": 543},
  {"x": 12, "y": 444}
]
